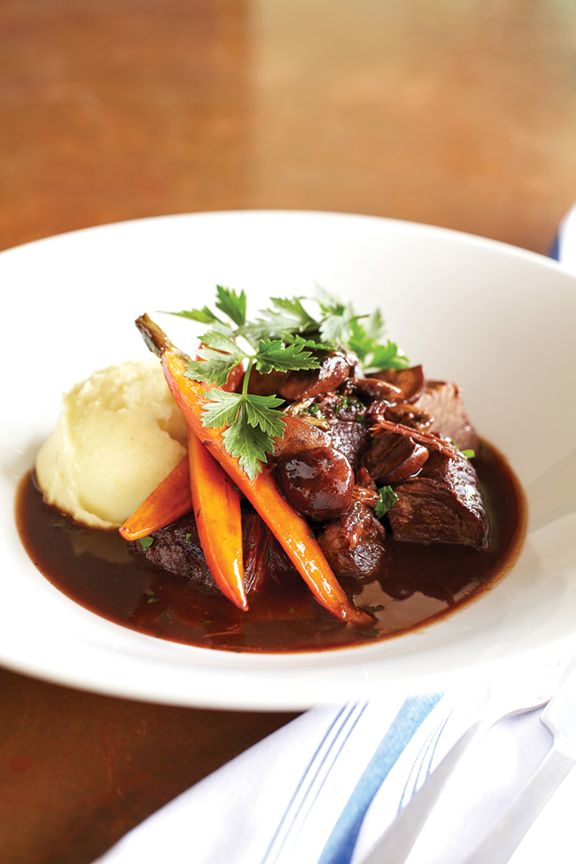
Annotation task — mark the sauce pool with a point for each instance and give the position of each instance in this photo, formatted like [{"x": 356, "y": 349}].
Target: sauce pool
[{"x": 420, "y": 583}]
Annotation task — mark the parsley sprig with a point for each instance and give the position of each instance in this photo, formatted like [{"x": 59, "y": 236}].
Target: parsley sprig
[
  {"x": 269, "y": 345},
  {"x": 282, "y": 338}
]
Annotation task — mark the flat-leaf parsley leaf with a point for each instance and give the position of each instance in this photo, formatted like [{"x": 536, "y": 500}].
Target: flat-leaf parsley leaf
[{"x": 146, "y": 542}]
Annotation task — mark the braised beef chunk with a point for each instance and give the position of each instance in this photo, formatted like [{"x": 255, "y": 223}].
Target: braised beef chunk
[
  {"x": 376, "y": 411},
  {"x": 350, "y": 438},
  {"x": 410, "y": 415},
  {"x": 430, "y": 440},
  {"x": 354, "y": 543},
  {"x": 365, "y": 489},
  {"x": 177, "y": 549},
  {"x": 442, "y": 401},
  {"x": 336, "y": 406},
  {"x": 442, "y": 504},
  {"x": 393, "y": 458},
  {"x": 409, "y": 381},
  {"x": 345, "y": 419}
]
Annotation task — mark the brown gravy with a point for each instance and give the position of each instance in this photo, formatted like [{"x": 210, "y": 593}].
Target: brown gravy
[{"x": 421, "y": 583}]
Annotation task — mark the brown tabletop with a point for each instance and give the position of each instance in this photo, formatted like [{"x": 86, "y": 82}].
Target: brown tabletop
[{"x": 456, "y": 113}]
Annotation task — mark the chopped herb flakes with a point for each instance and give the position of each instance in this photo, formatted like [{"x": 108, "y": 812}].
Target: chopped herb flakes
[
  {"x": 146, "y": 542},
  {"x": 387, "y": 499}
]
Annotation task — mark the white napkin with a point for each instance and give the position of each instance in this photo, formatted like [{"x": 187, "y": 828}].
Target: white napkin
[{"x": 324, "y": 788}]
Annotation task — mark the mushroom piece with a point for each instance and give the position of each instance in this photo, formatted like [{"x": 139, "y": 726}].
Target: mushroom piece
[
  {"x": 410, "y": 381},
  {"x": 393, "y": 458},
  {"x": 318, "y": 482}
]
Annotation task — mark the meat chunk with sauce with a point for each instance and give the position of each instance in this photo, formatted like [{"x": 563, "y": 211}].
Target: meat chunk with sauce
[
  {"x": 351, "y": 438},
  {"x": 443, "y": 402},
  {"x": 345, "y": 419},
  {"x": 176, "y": 548},
  {"x": 354, "y": 543},
  {"x": 441, "y": 505},
  {"x": 408, "y": 414},
  {"x": 393, "y": 458}
]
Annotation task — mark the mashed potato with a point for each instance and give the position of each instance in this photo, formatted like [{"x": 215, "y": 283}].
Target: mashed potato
[{"x": 119, "y": 434}]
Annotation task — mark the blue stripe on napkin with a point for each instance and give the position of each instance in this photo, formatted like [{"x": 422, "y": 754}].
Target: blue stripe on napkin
[{"x": 341, "y": 843}]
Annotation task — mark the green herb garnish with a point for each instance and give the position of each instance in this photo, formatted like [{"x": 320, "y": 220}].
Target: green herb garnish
[
  {"x": 387, "y": 499},
  {"x": 146, "y": 542},
  {"x": 365, "y": 340},
  {"x": 468, "y": 454}
]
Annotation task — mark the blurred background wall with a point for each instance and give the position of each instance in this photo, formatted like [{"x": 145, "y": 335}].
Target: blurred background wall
[{"x": 457, "y": 112}]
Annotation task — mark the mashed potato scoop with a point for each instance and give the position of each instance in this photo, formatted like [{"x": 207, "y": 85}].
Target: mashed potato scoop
[{"x": 118, "y": 435}]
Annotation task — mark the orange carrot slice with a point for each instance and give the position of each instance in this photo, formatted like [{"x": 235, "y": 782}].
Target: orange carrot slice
[
  {"x": 289, "y": 528},
  {"x": 170, "y": 500},
  {"x": 217, "y": 513}
]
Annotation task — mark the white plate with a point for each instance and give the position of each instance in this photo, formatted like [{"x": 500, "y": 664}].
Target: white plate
[{"x": 499, "y": 320}]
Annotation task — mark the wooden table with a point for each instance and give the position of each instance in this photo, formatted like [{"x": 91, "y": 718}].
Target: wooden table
[{"x": 461, "y": 114}]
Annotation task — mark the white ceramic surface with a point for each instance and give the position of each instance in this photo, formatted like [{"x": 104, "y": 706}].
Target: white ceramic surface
[{"x": 499, "y": 320}]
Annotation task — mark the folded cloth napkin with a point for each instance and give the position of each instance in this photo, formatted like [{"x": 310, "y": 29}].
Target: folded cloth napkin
[{"x": 323, "y": 789}]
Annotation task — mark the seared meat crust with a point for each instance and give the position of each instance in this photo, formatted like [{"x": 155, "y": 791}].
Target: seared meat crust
[
  {"x": 441, "y": 505},
  {"x": 354, "y": 543},
  {"x": 443, "y": 402},
  {"x": 177, "y": 549}
]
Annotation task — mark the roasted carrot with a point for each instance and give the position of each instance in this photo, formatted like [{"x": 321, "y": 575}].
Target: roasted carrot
[
  {"x": 217, "y": 513},
  {"x": 289, "y": 528},
  {"x": 170, "y": 500}
]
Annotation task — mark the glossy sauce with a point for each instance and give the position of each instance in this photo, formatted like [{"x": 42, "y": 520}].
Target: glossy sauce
[{"x": 420, "y": 583}]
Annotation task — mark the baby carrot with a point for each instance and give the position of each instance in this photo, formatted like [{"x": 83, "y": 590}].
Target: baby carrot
[
  {"x": 217, "y": 513},
  {"x": 169, "y": 501}
]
